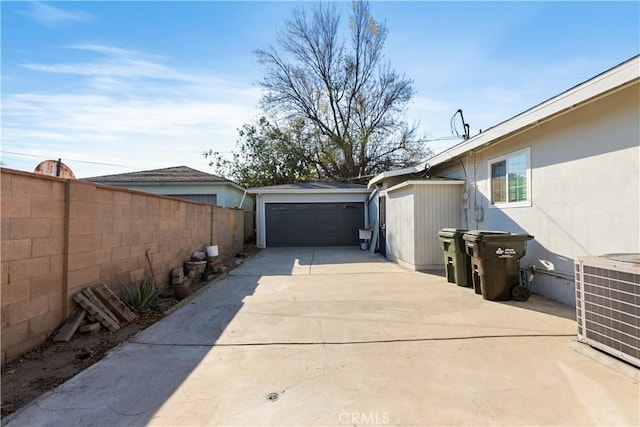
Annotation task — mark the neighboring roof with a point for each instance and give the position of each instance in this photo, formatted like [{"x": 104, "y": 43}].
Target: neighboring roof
[
  {"x": 314, "y": 187},
  {"x": 173, "y": 175},
  {"x": 607, "y": 82}
]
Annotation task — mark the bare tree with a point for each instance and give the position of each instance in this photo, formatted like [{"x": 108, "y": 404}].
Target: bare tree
[{"x": 352, "y": 102}]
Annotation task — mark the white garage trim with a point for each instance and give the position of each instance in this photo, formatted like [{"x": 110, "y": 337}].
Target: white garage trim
[{"x": 264, "y": 196}]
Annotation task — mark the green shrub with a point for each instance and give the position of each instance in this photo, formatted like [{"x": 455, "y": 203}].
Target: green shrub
[{"x": 141, "y": 294}]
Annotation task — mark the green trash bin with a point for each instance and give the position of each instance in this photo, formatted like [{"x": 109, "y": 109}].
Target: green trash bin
[
  {"x": 495, "y": 261},
  {"x": 456, "y": 261}
]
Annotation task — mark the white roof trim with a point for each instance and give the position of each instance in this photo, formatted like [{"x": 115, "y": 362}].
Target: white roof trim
[
  {"x": 425, "y": 182},
  {"x": 397, "y": 172},
  {"x": 310, "y": 191},
  {"x": 616, "y": 78}
]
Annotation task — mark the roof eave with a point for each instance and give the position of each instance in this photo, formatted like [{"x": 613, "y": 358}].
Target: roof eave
[
  {"x": 608, "y": 82},
  {"x": 614, "y": 79},
  {"x": 168, "y": 183},
  {"x": 425, "y": 183},
  {"x": 308, "y": 190},
  {"x": 389, "y": 174}
]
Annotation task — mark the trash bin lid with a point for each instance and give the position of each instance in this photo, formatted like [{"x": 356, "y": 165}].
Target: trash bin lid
[
  {"x": 477, "y": 235},
  {"x": 473, "y": 235},
  {"x": 452, "y": 232}
]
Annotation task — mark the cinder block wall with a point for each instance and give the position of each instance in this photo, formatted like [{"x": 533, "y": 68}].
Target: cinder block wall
[
  {"x": 59, "y": 236},
  {"x": 33, "y": 235}
]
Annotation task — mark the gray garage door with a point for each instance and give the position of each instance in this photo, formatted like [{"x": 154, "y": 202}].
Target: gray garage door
[{"x": 313, "y": 224}]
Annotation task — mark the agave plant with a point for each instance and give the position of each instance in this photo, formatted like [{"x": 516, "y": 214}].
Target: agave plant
[{"x": 139, "y": 295}]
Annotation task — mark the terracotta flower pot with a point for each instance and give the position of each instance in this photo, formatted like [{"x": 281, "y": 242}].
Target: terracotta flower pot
[{"x": 181, "y": 291}]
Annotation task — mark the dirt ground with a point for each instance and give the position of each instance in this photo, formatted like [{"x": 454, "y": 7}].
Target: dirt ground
[{"x": 53, "y": 363}]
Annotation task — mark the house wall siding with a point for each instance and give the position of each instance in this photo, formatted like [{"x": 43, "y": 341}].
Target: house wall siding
[
  {"x": 400, "y": 226},
  {"x": 458, "y": 172},
  {"x": 59, "y": 236},
  {"x": 585, "y": 187},
  {"x": 415, "y": 215},
  {"x": 437, "y": 207}
]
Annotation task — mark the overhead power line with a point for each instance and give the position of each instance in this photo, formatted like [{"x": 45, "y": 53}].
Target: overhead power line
[
  {"x": 70, "y": 160},
  {"x": 87, "y": 161}
]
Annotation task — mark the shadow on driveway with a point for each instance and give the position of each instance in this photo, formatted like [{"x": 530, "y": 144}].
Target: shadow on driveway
[
  {"x": 337, "y": 345},
  {"x": 135, "y": 379},
  {"x": 133, "y": 382}
]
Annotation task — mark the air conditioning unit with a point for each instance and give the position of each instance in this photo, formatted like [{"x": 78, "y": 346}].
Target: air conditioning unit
[{"x": 608, "y": 304}]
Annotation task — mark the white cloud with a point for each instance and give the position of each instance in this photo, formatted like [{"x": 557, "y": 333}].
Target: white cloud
[
  {"x": 113, "y": 62},
  {"x": 131, "y": 109},
  {"x": 51, "y": 16},
  {"x": 137, "y": 110},
  {"x": 113, "y": 51}
]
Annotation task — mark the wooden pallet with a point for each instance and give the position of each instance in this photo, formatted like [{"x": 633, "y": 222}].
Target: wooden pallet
[{"x": 98, "y": 304}]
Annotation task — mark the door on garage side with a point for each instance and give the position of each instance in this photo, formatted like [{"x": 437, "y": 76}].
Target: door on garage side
[
  {"x": 382, "y": 221},
  {"x": 313, "y": 224}
]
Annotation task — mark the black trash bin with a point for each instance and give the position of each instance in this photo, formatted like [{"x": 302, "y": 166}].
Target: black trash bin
[
  {"x": 457, "y": 262},
  {"x": 495, "y": 261}
]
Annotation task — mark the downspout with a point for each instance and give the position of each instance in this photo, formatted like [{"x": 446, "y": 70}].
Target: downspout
[
  {"x": 366, "y": 214},
  {"x": 478, "y": 214},
  {"x": 465, "y": 196},
  {"x": 242, "y": 200},
  {"x": 259, "y": 220},
  {"x": 367, "y": 218}
]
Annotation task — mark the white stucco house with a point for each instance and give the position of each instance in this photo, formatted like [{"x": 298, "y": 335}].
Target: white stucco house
[
  {"x": 188, "y": 184},
  {"x": 566, "y": 171}
]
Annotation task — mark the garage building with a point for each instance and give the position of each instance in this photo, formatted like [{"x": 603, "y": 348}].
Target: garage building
[{"x": 310, "y": 214}]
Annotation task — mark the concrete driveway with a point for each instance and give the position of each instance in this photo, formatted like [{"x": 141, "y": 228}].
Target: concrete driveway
[{"x": 338, "y": 336}]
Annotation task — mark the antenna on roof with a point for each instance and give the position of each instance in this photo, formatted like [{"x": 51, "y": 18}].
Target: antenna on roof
[{"x": 465, "y": 125}]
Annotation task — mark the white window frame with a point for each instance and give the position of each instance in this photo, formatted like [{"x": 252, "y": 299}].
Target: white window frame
[{"x": 490, "y": 162}]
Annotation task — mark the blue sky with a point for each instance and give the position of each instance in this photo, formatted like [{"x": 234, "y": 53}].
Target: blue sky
[{"x": 114, "y": 87}]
